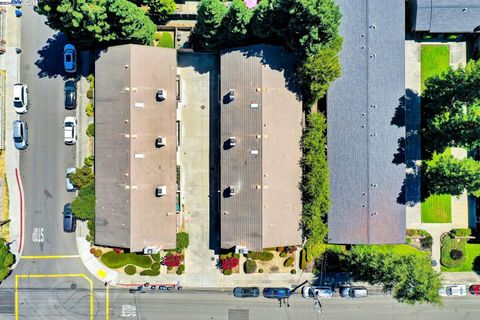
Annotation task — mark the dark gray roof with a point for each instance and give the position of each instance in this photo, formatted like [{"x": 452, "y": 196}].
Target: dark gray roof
[
  {"x": 128, "y": 166},
  {"x": 366, "y": 204},
  {"x": 445, "y": 16},
  {"x": 264, "y": 165}
]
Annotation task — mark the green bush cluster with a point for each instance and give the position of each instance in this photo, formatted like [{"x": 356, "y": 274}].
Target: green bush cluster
[
  {"x": 83, "y": 206},
  {"x": 181, "y": 269},
  {"x": 260, "y": 270},
  {"x": 90, "y": 94},
  {"x": 293, "y": 271},
  {"x": 88, "y": 161},
  {"x": 289, "y": 262},
  {"x": 183, "y": 240},
  {"x": 150, "y": 272},
  {"x": 91, "y": 130},
  {"x": 7, "y": 259},
  {"x": 90, "y": 109},
  {"x": 156, "y": 257},
  {"x": 250, "y": 266},
  {"x": 461, "y": 232},
  {"x": 155, "y": 266},
  {"x": 283, "y": 254},
  {"x": 118, "y": 260},
  {"x": 130, "y": 270},
  {"x": 263, "y": 256},
  {"x": 227, "y": 272}
]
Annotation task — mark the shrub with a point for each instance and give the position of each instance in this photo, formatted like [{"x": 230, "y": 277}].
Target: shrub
[
  {"x": 83, "y": 178},
  {"x": 172, "y": 261},
  {"x": 90, "y": 94},
  {"x": 283, "y": 254},
  {"x": 280, "y": 249},
  {"x": 166, "y": 41},
  {"x": 84, "y": 204},
  {"x": 263, "y": 256},
  {"x": 274, "y": 269},
  {"x": 119, "y": 260},
  {"x": 427, "y": 37},
  {"x": 181, "y": 269},
  {"x": 260, "y": 270},
  {"x": 236, "y": 255},
  {"x": 227, "y": 272},
  {"x": 182, "y": 240},
  {"x": 150, "y": 272},
  {"x": 130, "y": 270},
  {"x": 92, "y": 250},
  {"x": 88, "y": 161},
  {"x": 452, "y": 37},
  {"x": 155, "y": 266},
  {"x": 303, "y": 259},
  {"x": 293, "y": 271},
  {"x": 169, "y": 268},
  {"x": 291, "y": 249},
  {"x": 449, "y": 245},
  {"x": 169, "y": 254},
  {"x": 229, "y": 263},
  {"x": 426, "y": 242},
  {"x": 289, "y": 262},
  {"x": 156, "y": 257},
  {"x": 91, "y": 130},
  {"x": 461, "y": 232},
  {"x": 250, "y": 266},
  {"x": 456, "y": 254},
  {"x": 98, "y": 253},
  {"x": 90, "y": 109},
  {"x": 91, "y": 80},
  {"x": 178, "y": 250}
]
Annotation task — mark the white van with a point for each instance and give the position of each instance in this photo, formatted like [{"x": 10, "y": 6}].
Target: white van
[{"x": 20, "y": 97}]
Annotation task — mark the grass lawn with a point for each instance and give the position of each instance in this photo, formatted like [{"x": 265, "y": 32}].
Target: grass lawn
[
  {"x": 398, "y": 249},
  {"x": 437, "y": 209},
  {"x": 118, "y": 260},
  {"x": 434, "y": 60},
  {"x": 473, "y": 251}
]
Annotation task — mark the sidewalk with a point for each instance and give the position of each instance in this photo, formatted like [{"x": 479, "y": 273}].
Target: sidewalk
[{"x": 10, "y": 62}]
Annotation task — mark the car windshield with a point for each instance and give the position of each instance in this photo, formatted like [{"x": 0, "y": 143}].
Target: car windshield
[
  {"x": 69, "y": 124},
  {"x": 17, "y": 139},
  {"x": 17, "y": 104}
]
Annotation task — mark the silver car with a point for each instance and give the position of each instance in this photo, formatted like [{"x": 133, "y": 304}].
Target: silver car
[
  {"x": 70, "y": 186},
  {"x": 20, "y": 134}
]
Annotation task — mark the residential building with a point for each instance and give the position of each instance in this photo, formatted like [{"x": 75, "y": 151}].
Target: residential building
[
  {"x": 445, "y": 16},
  {"x": 135, "y": 147},
  {"x": 366, "y": 119},
  {"x": 261, "y": 129}
]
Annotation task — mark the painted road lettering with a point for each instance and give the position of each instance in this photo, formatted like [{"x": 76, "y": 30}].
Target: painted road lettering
[
  {"x": 129, "y": 311},
  {"x": 37, "y": 235}
]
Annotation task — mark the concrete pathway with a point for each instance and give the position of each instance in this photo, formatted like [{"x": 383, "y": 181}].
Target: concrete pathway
[{"x": 412, "y": 84}]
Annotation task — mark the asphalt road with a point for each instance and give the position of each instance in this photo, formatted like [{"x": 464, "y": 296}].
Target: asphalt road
[{"x": 44, "y": 163}]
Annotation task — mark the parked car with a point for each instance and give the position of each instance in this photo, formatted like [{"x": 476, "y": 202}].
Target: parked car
[
  {"x": 321, "y": 292},
  {"x": 20, "y": 134},
  {"x": 353, "y": 292},
  {"x": 276, "y": 293},
  {"x": 70, "y": 95},
  {"x": 69, "y": 221},
  {"x": 20, "y": 97},
  {"x": 474, "y": 289},
  {"x": 70, "y": 58},
  {"x": 455, "y": 290},
  {"x": 70, "y": 130},
  {"x": 70, "y": 186},
  {"x": 249, "y": 292}
]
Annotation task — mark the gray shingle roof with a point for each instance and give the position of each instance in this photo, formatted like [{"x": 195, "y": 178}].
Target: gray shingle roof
[
  {"x": 128, "y": 166},
  {"x": 445, "y": 16},
  {"x": 365, "y": 184},
  {"x": 263, "y": 166}
]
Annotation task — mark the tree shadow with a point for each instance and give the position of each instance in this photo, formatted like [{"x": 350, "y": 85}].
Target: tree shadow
[
  {"x": 399, "y": 116},
  {"x": 50, "y": 62},
  {"x": 399, "y": 157},
  {"x": 476, "y": 265}
]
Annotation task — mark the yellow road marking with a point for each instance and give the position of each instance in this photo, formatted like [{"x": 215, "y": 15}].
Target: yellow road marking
[
  {"x": 101, "y": 273},
  {"x": 22, "y": 276},
  {"x": 50, "y": 257},
  {"x": 107, "y": 305}
]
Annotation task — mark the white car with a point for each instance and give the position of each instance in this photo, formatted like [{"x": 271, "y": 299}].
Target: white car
[
  {"x": 70, "y": 130},
  {"x": 20, "y": 97},
  {"x": 70, "y": 186},
  {"x": 70, "y": 58},
  {"x": 320, "y": 292},
  {"x": 454, "y": 290}
]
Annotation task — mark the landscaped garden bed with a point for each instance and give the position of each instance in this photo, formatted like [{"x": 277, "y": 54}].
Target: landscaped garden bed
[
  {"x": 457, "y": 254},
  {"x": 274, "y": 260},
  {"x": 419, "y": 239}
]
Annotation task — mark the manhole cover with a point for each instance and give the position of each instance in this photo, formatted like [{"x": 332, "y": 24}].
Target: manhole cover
[{"x": 73, "y": 286}]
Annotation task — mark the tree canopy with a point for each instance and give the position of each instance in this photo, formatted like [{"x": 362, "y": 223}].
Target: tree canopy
[
  {"x": 315, "y": 184},
  {"x": 90, "y": 23},
  {"x": 84, "y": 204},
  {"x": 208, "y": 29},
  {"x": 83, "y": 177},
  {"x": 160, "y": 10},
  {"x": 7, "y": 259}
]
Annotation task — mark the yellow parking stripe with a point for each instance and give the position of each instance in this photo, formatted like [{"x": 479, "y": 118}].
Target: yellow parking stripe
[
  {"x": 23, "y": 276},
  {"x": 50, "y": 257},
  {"x": 107, "y": 305}
]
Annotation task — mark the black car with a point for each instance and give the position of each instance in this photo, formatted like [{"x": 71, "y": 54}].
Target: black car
[
  {"x": 249, "y": 292},
  {"x": 70, "y": 94},
  {"x": 276, "y": 293},
  {"x": 69, "y": 222}
]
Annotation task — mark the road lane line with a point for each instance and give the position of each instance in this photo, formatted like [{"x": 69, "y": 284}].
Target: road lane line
[{"x": 51, "y": 257}]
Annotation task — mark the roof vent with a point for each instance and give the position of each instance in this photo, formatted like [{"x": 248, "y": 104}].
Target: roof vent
[
  {"x": 231, "y": 191},
  {"x": 254, "y": 105},
  {"x": 139, "y": 105},
  {"x": 160, "y": 191},
  {"x": 231, "y": 95},
  {"x": 139, "y": 156},
  {"x": 160, "y": 142},
  {"x": 161, "y": 94},
  {"x": 232, "y": 142}
]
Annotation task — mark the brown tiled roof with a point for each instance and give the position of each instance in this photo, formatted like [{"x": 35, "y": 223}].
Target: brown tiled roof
[
  {"x": 128, "y": 166},
  {"x": 263, "y": 167}
]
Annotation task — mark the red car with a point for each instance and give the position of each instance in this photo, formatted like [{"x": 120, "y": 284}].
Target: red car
[{"x": 474, "y": 289}]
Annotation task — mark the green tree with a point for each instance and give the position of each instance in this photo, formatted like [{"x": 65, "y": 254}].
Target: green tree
[
  {"x": 262, "y": 20},
  {"x": 319, "y": 70},
  {"x": 161, "y": 10},
  {"x": 207, "y": 32},
  {"x": 90, "y": 23},
  {"x": 84, "y": 204},
  {"x": 83, "y": 177},
  {"x": 315, "y": 184},
  {"x": 236, "y": 23},
  {"x": 446, "y": 174},
  {"x": 7, "y": 259}
]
